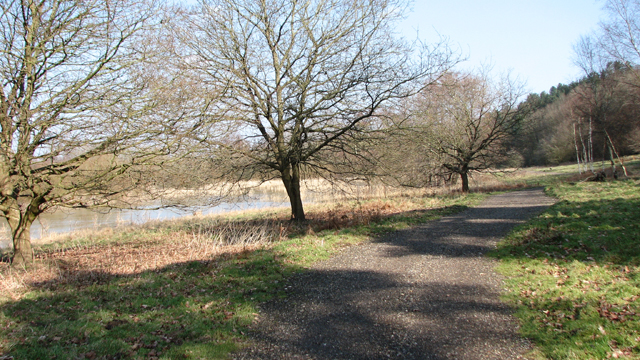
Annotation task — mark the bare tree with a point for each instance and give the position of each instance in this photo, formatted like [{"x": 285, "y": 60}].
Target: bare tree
[
  {"x": 76, "y": 127},
  {"x": 604, "y": 97},
  {"x": 619, "y": 34},
  {"x": 465, "y": 121},
  {"x": 302, "y": 80}
]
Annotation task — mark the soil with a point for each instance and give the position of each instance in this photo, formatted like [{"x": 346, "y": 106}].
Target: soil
[{"x": 428, "y": 292}]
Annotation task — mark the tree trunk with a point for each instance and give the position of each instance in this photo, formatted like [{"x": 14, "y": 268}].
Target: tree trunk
[
  {"x": 465, "y": 182},
  {"x": 612, "y": 148},
  {"x": 575, "y": 142},
  {"x": 20, "y": 225},
  {"x": 291, "y": 181},
  {"x": 591, "y": 143},
  {"x": 22, "y": 251}
]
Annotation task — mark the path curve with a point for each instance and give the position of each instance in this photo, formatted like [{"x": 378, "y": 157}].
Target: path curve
[{"x": 423, "y": 293}]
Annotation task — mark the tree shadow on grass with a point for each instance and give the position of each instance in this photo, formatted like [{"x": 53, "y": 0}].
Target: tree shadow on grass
[
  {"x": 199, "y": 309},
  {"x": 184, "y": 310},
  {"x": 601, "y": 231},
  {"x": 575, "y": 277}
]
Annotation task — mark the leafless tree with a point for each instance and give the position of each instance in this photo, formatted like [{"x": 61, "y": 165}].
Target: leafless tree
[
  {"x": 301, "y": 80},
  {"x": 619, "y": 37},
  {"x": 607, "y": 91},
  {"x": 75, "y": 122},
  {"x": 465, "y": 121},
  {"x": 619, "y": 34}
]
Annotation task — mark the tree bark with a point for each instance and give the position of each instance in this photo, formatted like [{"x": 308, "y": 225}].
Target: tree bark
[
  {"x": 591, "y": 142},
  {"x": 291, "y": 180},
  {"x": 612, "y": 150},
  {"x": 20, "y": 224},
  {"x": 575, "y": 142},
  {"x": 22, "y": 250},
  {"x": 465, "y": 182}
]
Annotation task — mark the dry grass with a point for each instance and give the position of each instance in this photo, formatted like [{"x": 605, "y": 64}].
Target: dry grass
[
  {"x": 318, "y": 191},
  {"x": 87, "y": 263},
  {"x": 87, "y": 256}
]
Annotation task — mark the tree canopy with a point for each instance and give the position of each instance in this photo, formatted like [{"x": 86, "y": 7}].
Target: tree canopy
[
  {"x": 466, "y": 121},
  {"x": 296, "y": 80},
  {"x": 75, "y": 119}
]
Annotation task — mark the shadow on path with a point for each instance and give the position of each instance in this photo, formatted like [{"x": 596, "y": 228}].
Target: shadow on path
[{"x": 422, "y": 293}]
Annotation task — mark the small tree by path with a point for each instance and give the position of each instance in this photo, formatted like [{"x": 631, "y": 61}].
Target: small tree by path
[{"x": 465, "y": 122}]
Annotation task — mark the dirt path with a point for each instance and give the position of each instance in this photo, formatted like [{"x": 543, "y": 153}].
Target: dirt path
[{"x": 423, "y": 293}]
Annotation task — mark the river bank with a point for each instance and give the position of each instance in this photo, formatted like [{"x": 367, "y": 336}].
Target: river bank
[{"x": 62, "y": 223}]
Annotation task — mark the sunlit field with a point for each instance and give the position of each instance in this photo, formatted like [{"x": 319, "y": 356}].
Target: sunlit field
[
  {"x": 574, "y": 272},
  {"x": 189, "y": 287}
]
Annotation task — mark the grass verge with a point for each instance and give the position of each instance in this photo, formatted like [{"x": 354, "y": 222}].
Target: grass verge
[
  {"x": 184, "y": 290},
  {"x": 573, "y": 272},
  {"x": 552, "y": 176}
]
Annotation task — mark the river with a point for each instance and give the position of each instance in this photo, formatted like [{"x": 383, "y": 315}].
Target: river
[{"x": 68, "y": 220}]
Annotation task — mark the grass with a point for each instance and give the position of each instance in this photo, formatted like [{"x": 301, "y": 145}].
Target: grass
[
  {"x": 189, "y": 288},
  {"x": 574, "y": 272},
  {"x": 182, "y": 289},
  {"x": 551, "y": 176}
]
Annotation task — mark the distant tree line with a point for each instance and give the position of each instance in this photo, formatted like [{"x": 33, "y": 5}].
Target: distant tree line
[
  {"x": 595, "y": 118},
  {"x": 466, "y": 123}
]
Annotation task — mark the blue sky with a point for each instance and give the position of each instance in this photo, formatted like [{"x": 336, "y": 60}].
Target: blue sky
[{"x": 532, "y": 39}]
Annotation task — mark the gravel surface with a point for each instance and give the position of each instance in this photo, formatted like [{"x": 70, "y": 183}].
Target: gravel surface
[{"x": 423, "y": 293}]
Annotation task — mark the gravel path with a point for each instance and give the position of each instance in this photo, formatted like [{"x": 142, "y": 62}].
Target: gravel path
[{"x": 423, "y": 293}]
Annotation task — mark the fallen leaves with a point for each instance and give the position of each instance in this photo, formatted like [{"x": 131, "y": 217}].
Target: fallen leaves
[
  {"x": 115, "y": 323},
  {"x": 615, "y": 313},
  {"x": 576, "y": 278},
  {"x": 619, "y": 353},
  {"x": 88, "y": 355}
]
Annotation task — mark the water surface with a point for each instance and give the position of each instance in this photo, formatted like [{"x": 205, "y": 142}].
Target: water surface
[{"x": 64, "y": 220}]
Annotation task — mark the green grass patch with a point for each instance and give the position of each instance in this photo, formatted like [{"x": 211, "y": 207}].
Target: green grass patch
[
  {"x": 555, "y": 175},
  {"x": 573, "y": 272},
  {"x": 190, "y": 309}
]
